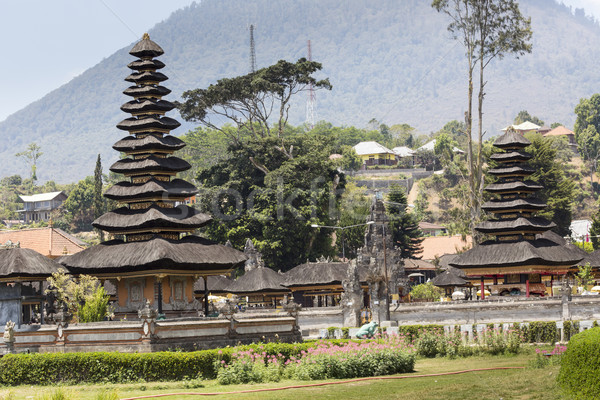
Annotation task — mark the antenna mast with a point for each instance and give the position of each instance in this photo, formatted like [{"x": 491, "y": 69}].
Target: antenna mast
[
  {"x": 310, "y": 102},
  {"x": 252, "y": 50}
]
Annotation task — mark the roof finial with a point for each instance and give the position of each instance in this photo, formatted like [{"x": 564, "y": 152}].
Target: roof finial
[{"x": 146, "y": 36}]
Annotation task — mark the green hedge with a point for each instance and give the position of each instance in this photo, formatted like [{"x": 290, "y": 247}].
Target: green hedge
[
  {"x": 113, "y": 367},
  {"x": 539, "y": 332},
  {"x": 414, "y": 331},
  {"x": 580, "y": 365}
]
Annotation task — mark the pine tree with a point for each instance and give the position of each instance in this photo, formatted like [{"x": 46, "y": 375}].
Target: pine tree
[
  {"x": 405, "y": 227},
  {"x": 595, "y": 230},
  {"x": 98, "y": 200}
]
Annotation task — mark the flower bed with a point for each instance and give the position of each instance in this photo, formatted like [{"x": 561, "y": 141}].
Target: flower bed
[{"x": 390, "y": 355}]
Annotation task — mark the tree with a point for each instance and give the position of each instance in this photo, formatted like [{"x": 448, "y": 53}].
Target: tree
[
  {"x": 354, "y": 209},
  {"x": 84, "y": 297},
  {"x": 587, "y": 133},
  {"x": 250, "y": 100},
  {"x": 524, "y": 116},
  {"x": 79, "y": 206},
  {"x": 595, "y": 230},
  {"x": 426, "y": 291},
  {"x": 275, "y": 210},
  {"x": 404, "y": 226},
  {"x": 550, "y": 172},
  {"x": 98, "y": 199},
  {"x": 487, "y": 29},
  {"x": 31, "y": 156}
]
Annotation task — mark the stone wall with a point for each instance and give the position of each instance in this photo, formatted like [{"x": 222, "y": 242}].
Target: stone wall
[
  {"x": 471, "y": 312},
  {"x": 149, "y": 335}
]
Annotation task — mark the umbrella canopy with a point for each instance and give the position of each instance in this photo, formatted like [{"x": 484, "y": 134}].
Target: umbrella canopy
[
  {"x": 595, "y": 289},
  {"x": 487, "y": 292},
  {"x": 448, "y": 279},
  {"x": 458, "y": 295},
  {"x": 415, "y": 274}
]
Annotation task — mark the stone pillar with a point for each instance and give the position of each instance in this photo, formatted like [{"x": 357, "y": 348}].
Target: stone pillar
[{"x": 148, "y": 316}]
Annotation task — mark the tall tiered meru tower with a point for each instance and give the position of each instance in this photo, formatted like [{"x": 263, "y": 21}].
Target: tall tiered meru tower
[
  {"x": 152, "y": 254},
  {"x": 522, "y": 250}
]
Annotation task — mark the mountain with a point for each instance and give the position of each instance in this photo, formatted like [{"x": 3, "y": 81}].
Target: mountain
[{"x": 387, "y": 59}]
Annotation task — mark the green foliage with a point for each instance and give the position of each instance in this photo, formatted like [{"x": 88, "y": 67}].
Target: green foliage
[
  {"x": 276, "y": 204},
  {"x": 539, "y": 332},
  {"x": 585, "y": 246},
  {"x": 79, "y": 206},
  {"x": 404, "y": 226},
  {"x": 595, "y": 230},
  {"x": 550, "y": 172},
  {"x": 585, "y": 275},
  {"x": 95, "y": 307},
  {"x": 31, "y": 155},
  {"x": 249, "y": 100},
  {"x": 524, "y": 116},
  {"x": 111, "y": 394},
  {"x": 580, "y": 365},
  {"x": 426, "y": 291},
  {"x": 57, "y": 394},
  {"x": 571, "y": 328}
]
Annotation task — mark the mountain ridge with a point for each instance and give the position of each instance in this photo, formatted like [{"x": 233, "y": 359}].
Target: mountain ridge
[{"x": 386, "y": 60}]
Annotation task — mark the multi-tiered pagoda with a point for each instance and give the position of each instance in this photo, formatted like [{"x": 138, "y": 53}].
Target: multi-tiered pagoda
[
  {"x": 522, "y": 249},
  {"x": 152, "y": 254}
]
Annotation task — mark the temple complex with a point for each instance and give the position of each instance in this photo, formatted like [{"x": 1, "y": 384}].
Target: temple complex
[
  {"x": 521, "y": 249},
  {"x": 153, "y": 254}
]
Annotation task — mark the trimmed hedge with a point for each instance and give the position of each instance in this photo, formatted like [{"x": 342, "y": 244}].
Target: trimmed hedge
[
  {"x": 580, "y": 365},
  {"x": 539, "y": 332},
  {"x": 414, "y": 331},
  {"x": 113, "y": 367}
]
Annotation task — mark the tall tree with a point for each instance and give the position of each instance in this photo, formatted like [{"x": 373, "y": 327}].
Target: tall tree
[
  {"x": 550, "y": 172},
  {"x": 249, "y": 101},
  {"x": 488, "y": 29},
  {"x": 31, "y": 156},
  {"x": 587, "y": 133},
  {"x": 98, "y": 199},
  {"x": 595, "y": 230},
  {"x": 404, "y": 226}
]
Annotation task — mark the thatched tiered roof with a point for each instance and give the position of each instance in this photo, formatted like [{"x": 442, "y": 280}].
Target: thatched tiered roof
[
  {"x": 150, "y": 222},
  {"x": 449, "y": 279},
  {"x": 25, "y": 264},
  {"x": 215, "y": 283},
  {"x": 260, "y": 279},
  {"x": 522, "y": 241},
  {"x": 320, "y": 273}
]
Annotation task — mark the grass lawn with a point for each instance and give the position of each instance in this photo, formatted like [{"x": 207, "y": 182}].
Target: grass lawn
[{"x": 503, "y": 384}]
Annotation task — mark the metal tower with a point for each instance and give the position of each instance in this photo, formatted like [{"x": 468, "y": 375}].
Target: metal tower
[
  {"x": 310, "y": 102},
  {"x": 252, "y": 50}
]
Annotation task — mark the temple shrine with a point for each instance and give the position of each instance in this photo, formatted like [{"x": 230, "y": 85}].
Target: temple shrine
[
  {"x": 522, "y": 249},
  {"x": 153, "y": 254}
]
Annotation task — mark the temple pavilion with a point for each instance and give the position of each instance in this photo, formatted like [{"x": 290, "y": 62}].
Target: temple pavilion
[
  {"x": 521, "y": 249},
  {"x": 152, "y": 254}
]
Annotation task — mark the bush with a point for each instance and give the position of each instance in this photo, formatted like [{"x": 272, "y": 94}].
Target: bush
[
  {"x": 580, "y": 366},
  {"x": 540, "y": 332},
  {"x": 571, "y": 328}
]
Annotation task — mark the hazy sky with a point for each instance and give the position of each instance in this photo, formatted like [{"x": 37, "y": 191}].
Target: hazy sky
[{"x": 46, "y": 43}]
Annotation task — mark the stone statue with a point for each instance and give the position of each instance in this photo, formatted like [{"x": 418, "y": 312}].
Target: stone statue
[
  {"x": 254, "y": 257},
  {"x": 367, "y": 330},
  {"x": 9, "y": 332}
]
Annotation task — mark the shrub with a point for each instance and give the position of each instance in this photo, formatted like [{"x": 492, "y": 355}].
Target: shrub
[
  {"x": 580, "y": 366},
  {"x": 540, "y": 332},
  {"x": 426, "y": 291},
  {"x": 345, "y": 333},
  {"x": 571, "y": 328}
]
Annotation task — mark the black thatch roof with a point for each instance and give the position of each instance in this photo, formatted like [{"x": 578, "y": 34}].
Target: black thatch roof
[
  {"x": 146, "y": 48},
  {"x": 538, "y": 252},
  {"x": 149, "y": 122},
  {"x": 519, "y": 170},
  {"x": 534, "y": 224},
  {"x": 449, "y": 279},
  {"x": 147, "y": 105},
  {"x": 125, "y": 219},
  {"x": 191, "y": 253},
  {"x": 260, "y": 279},
  {"x": 529, "y": 204},
  {"x": 142, "y": 91},
  {"x": 149, "y": 164},
  {"x": 146, "y": 77},
  {"x": 175, "y": 189},
  {"x": 414, "y": 264},
  {"x": 145, "y": 65},
  {"x": 25, "y": 263},
  {"x": 216, "y": 284},
  {"x": 512, "y": 156},
  {"x": 523, "y": 186},
  {"x": 320, "y": 273},
  {"x": 149, "y": 142},
  {"x": 511, "y": 140}
]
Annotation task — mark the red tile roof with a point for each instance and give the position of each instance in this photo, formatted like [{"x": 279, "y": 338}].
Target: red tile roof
[
  {"x": 50, "y": 242},
  {"x": 559, "y": 131},
  {"x": 440, "y": 245}
]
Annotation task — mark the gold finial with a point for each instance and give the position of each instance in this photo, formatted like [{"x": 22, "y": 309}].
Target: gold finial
[
  {"x": 146, "y": 36},
  {"x": 65, "y": 251}
]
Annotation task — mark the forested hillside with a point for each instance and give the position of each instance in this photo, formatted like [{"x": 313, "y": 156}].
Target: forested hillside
[{"x": 386, "y": 59}]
